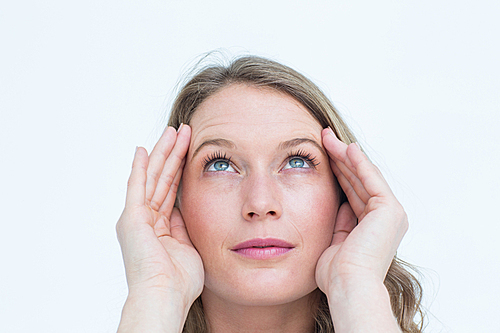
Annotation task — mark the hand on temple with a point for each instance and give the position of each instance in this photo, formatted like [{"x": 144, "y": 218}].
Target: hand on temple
[
  {"x": 158, "y": 254},
  {"x": 368, "y": 230}
]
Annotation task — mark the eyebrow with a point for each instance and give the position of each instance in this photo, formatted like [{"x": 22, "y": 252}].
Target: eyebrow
[
  {"x": 298, "y": 141},
  {"x": 282, "y": 146},
  {"x": 215, "y": 142}
]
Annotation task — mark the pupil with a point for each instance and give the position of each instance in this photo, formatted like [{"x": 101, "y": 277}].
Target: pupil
[
  {"x": 221, "y": 165},
  {"x": 296, "y": 163}
]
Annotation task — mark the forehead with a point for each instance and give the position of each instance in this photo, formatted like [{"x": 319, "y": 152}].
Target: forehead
[{"x": 252, "y": 113}]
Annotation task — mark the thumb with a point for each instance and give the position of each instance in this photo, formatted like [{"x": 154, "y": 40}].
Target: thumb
[
  {"x": 178, "y": 228},
  {"x": 344, "y": 224}
]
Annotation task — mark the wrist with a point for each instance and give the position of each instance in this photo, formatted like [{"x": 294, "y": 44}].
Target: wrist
[
  {"x": 161, "y": 289},
  {"x": 154, "y": 311},
  {"x": 359, "y": 304},
  {"x": 352, "y": 285}
]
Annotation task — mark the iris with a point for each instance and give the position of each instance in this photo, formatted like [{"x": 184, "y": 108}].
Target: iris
[
  {"x": 296, "y": 163},
  {"x": 221, "y": 165}
]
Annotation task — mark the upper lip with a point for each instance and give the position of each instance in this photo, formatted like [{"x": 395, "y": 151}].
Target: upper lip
[{"x": 263, "y": 242}]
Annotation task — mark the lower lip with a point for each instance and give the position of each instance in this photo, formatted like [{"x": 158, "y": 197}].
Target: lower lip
[{"x": 262, "y": 253}]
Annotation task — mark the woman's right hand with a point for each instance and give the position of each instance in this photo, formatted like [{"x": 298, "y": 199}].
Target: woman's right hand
[{"x": 158, "y": 254}]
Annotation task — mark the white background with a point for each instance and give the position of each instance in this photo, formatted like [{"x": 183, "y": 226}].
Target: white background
[{"x": 83, "y": 82}]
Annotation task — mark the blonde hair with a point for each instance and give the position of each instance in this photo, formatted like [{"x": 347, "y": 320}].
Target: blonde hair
[{"x": 404, "y": 289}]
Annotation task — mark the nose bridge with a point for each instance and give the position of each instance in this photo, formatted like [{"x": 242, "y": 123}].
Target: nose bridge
[{"x": 262, "y": 198}]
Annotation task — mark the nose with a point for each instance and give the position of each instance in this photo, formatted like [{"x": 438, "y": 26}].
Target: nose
[{"x": 262, "y": 198}]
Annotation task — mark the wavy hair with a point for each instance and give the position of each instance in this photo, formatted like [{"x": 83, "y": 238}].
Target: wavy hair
[{"x": 404, "y": 289}]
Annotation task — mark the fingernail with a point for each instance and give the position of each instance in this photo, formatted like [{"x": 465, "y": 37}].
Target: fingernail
[
  {"x": 180, "y": 126},
  {"x": 331, "y": 131},
  {"x": 357, "y": 144}
]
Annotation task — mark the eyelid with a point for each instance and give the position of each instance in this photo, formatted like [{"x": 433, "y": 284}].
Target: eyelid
[
  {"x": 307, "y": 164},
  {"x": 214, "y": 157},
  {"x": 308, "y": 158},
  {"x": 211, "y": 166}
]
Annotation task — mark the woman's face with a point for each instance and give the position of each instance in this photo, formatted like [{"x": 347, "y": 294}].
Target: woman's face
[{"x": 256, "y": 171}]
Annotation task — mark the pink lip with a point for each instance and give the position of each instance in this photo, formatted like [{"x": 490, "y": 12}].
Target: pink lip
[{"x": 251, "y": 248}]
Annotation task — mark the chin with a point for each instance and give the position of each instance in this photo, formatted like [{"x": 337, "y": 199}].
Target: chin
[{"x": 262, "y": 287}]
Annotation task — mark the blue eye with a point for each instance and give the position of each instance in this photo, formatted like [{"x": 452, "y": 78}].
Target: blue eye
[
  {"x": 217, "y": 162},
  {"x": 220, "y": 165},
  {"x": 296, "y": 162},
  {"x": 301, "y": 159}
]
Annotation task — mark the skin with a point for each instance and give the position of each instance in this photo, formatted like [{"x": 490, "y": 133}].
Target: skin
[{"x": 260, "y": 196}]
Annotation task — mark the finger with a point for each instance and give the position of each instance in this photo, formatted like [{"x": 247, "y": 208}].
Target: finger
[
  {"x": 344, "y": 224},
  {"x": 157, "y": 160},
  {"x": 356, "y": 203},
  {"x": 171, "y": 167},
  {"x": 178, "y": 228},
  {"x": 370, "y": 176},
  {"x": 353, "y": 180},
  {"x": 136, "y": 187},
  {"x": 162, "y": 227},
  {"x": 168, "y": 204},
  {"x": 337, "y": 150}
]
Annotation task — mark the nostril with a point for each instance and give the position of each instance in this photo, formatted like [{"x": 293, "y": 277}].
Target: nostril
[{"x": 271, "y": 212}]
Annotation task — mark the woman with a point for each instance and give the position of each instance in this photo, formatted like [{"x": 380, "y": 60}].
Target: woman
[{"x": 280, "y": 222}]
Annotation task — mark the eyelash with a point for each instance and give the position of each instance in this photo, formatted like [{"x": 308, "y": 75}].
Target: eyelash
[
  {"x": 308, "y": 157},
  {"x": 216, "y": 156}
]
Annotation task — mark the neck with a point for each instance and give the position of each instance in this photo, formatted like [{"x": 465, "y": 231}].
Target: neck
[{"x": 228, "y": 317}]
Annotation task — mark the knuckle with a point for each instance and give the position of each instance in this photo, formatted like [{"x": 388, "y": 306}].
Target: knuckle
[
  {"x": 351, "y": 177},
  {"x": 126, "y": 216},
  {"x": 349, "y": 191},
  {"x": 152, "y": 174},
  {"x": 400, "y": 215},
  {"x": 404, "y": 220},
  {"x": 167, "y": 178},
  {"x": 174, "y": 187},
  {"x": 406, "y": 225},
  {"x": 399, "y": 210},
  {"x": 154, "y": 205},
  {"x": 377, "y": 201},
  {"x": 163, "y": 155},
  {"x": 119, "y": 229},
  {"x": 177, "y": 157}
]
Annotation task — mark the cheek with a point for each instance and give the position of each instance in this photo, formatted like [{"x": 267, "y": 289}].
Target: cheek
[
  {"x": 207, "y": 213},
  {"x": 313, "y": 210}
]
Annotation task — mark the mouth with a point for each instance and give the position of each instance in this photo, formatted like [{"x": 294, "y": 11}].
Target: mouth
[{"x": 261, "y": 249}]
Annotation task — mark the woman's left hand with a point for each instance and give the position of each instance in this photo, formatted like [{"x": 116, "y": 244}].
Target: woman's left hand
[{"x": 368, "y": 228}]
